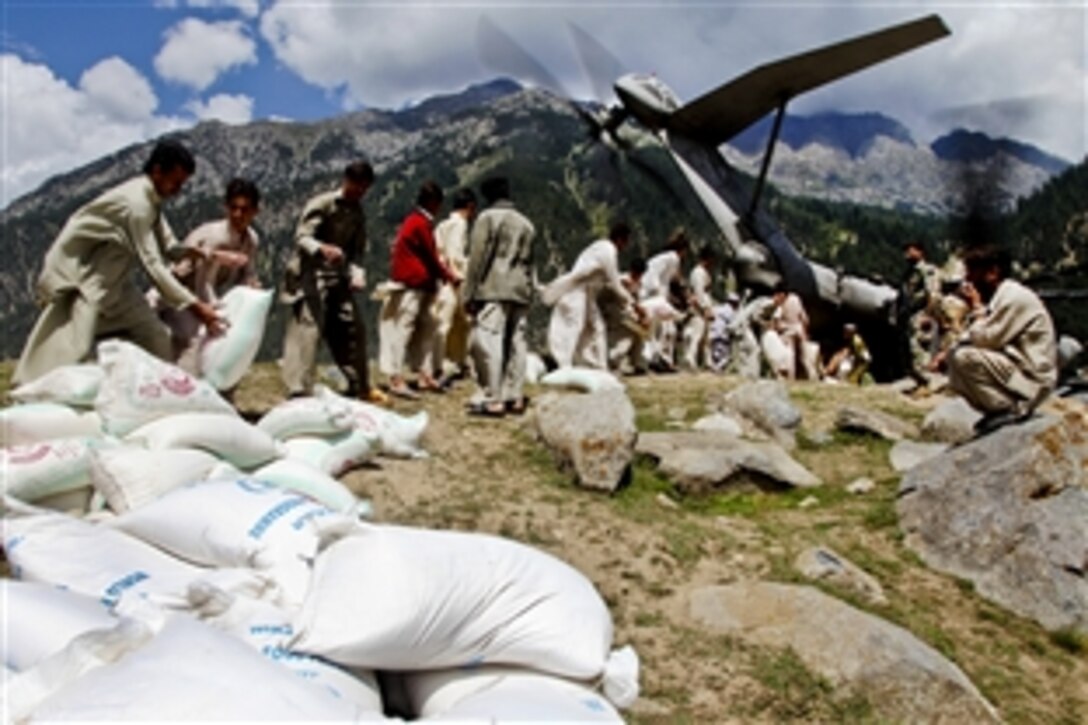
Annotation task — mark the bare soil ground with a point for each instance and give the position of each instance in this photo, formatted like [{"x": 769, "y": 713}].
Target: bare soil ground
[{"x": 646, "y": 547}]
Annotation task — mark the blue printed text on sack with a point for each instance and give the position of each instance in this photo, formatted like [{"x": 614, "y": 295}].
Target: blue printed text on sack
[
  {"x": 274, "y": 514},
  {"x": 114, "y": 591}
]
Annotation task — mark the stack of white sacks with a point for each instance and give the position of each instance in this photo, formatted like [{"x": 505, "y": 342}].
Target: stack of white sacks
[{"x": 170, "y": 560}]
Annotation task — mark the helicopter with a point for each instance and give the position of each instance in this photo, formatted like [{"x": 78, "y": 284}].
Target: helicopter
[{"x": 691, "y": 133}]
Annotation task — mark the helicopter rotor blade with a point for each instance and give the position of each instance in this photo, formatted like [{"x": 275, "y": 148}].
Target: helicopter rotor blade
[
  {"x": 503, "y": 54},
  {"x": 601, "y": 67}
]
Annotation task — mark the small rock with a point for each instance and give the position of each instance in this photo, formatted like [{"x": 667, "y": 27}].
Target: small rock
[
  {"x": 665, "y": 501},
  {"x": 767, "y": 404},
  {"x": 698, "y": 461},
  {"x": 719, "y": 422},
  {"x": 823, "y": 563},
  {"x": 860, "y": 486},
  {"x": 951, "y": 421},
  {"x": 808, "y": 502},
  {"x": 1069, "y": 350},
  {"x": 874, "y": 421},
  {"x": 676, "y": 413},
  {"x": 819, "y": 437}
]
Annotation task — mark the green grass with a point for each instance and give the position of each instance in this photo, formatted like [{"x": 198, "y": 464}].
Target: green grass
[
  {"x": 880, "y": 514},
  {"x": 638, "y": 500},
  {"x": 651, "y": 421},
  {"x": 795, "y": 693},
  {"x": 1070, "y": 640}
]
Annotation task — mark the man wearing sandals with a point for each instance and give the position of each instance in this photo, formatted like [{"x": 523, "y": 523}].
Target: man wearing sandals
[
  {"x": 408, "y": 325},
  {"x": 497, "y": 291}
]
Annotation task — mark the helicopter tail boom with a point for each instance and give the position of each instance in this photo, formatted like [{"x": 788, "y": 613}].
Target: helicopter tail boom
[{"x": 721, "y": 114}]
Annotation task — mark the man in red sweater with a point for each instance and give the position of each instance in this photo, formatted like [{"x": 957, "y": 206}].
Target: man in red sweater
[{"x": 408, "y": 326}]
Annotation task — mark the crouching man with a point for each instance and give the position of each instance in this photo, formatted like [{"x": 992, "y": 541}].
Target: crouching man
[{"x": 1005, "y": 364}]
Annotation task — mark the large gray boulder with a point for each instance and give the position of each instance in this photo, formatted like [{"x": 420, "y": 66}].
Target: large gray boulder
[
  {"x": 951, "y": 421},
  {"x": 1009, "y": 513},
  {"x": 876, "y": 422},
  {"x": 594, "y": 433},
  {"x": 904, "y": 679},
  {"x": 766, "y": 405},
  {"x": 699, "y": 461}
]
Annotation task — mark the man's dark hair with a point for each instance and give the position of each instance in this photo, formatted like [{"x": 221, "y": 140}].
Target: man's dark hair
[
  {"x": 915, "y": 244},
  {"x": 619, "y": 230},
  {"x": 779, "y": 286},
  {"x": 707, "y": 254},
  {"x": 429, "y": 193},
  {"x": 361, "y": 172},
  {"x": 168, "y": 155},
  {"x": 637, "y": 266},
  {"x": 495, "y": 189},
  {"x": 678, "y": 240},
  {"x": 463, "y": 198},
  {"x": 242, "y": 187},
  {"x": 981, "y": 258}
]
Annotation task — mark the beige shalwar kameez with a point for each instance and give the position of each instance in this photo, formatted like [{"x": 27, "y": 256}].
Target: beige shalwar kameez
[
  {"x": 451, "y": 336},
  {"x": 1007, "y": 360},
  {"x": 86, "y": 285},
  {"x": 209, "y": 281}
]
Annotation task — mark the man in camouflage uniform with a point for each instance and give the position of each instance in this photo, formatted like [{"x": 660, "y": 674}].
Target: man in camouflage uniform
[
  {"x": 916, "y": 296},
  {"x": 320, "y": 283}
]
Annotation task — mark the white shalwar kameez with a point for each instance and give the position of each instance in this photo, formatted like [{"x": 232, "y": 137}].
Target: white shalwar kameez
[
  {"x": 661, "y": 270},
  {"x": 695, "y": 328},
  {"x": 577, "y": 333}
]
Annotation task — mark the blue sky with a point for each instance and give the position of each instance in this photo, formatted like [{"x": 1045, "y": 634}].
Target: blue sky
[{"x": 83, "y": 78}]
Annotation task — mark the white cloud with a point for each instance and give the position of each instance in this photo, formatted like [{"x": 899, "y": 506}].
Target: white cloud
[
  {"x": 385, "y": 55},
  {"x": 50, "y": 127},
  {"x": 196, "y": 53},
  {"x": 230, "y": 109},
  {"x": 119, "y": 90},
  {"x": 375, "y": 56}
]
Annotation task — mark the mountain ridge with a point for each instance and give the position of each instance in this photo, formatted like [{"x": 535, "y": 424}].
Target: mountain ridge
[{"x": 571, "y": 187}]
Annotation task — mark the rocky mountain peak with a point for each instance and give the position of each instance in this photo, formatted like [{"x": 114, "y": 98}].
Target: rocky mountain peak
[
  {"x": 974, "y": 146},
  {"x": 853, "y": 133}
]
